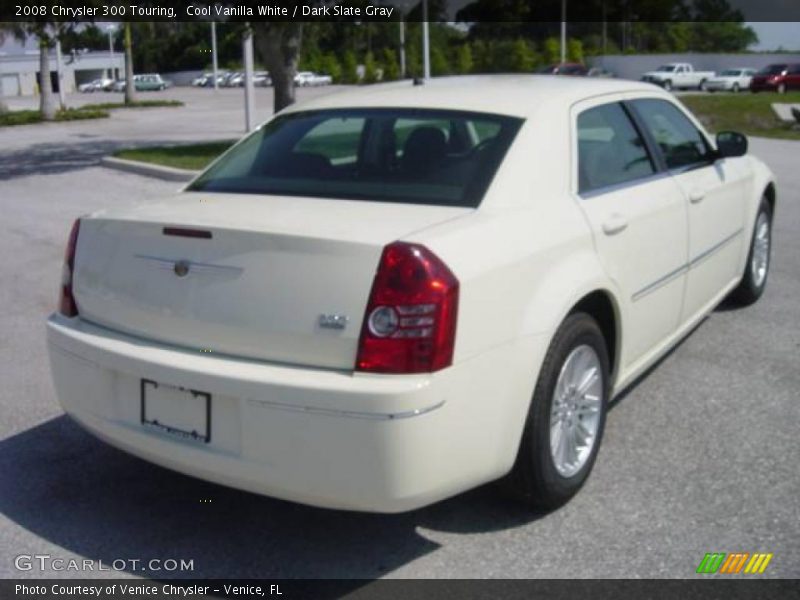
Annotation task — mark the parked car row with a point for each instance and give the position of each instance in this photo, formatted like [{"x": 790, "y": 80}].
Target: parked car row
[
  {"x": 779, "y": 78},
  {"x": 575, "y": 70},
  {"x": 260, "y": 78},
  {"x": 147, "y": 82},
  {"x": 309, "y": 78},
  {"x": 232, "y": 79},
  {"x": 98, "y": 85}
]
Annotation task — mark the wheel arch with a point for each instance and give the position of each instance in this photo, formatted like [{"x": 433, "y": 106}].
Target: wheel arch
[
  {"x": 771, "y": 195},
  {"x": 601, "y": 305}
]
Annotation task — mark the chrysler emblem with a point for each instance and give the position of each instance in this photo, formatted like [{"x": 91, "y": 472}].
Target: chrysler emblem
[{"x": 181, "y": 268}]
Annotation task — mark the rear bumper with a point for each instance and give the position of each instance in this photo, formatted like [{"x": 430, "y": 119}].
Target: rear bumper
[{"x": 325, "y": 438}]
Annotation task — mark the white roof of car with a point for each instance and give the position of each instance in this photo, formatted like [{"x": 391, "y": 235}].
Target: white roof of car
[{"x": 516, "y": 95}]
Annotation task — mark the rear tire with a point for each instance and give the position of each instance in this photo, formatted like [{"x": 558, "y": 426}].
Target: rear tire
[
  {"x": 735, "y": 88},
  {"x": 702, "y": 86},
  {"x": 756, "y": 270},
  {"x": 565, "y": 421},
  {"x": 668, "y": 85}
]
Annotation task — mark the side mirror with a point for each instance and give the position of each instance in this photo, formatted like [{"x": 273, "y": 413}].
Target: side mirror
[{"x": 731, "y": 144}]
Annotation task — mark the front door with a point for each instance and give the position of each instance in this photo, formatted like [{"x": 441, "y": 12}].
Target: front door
[{"x": 714, "y": 192}]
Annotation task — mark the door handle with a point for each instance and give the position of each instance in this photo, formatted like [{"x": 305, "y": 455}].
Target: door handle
[
  {"x": 696, "y": 196},
  {"x": 615, "y": 224}
]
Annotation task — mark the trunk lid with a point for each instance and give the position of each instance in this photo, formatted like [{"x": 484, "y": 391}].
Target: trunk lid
[{"x": 257, "y": 287}]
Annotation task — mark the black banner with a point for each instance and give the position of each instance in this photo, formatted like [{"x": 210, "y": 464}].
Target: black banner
[
  {"x": 358, "y": 11},
  {"x": 405, "y": 589}
]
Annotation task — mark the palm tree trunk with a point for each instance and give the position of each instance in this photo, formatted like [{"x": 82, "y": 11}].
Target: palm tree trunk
[
  {"x": 130, "y": 88},
  {"x": 47, "y": 102},
  {"x": 279, "y": 47}
]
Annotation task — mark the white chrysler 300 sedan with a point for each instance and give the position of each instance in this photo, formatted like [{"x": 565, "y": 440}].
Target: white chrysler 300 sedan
[{"x": 387, "y": 296}]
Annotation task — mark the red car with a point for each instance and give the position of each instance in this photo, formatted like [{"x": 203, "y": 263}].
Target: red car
[{"x": 776, "y": 78}]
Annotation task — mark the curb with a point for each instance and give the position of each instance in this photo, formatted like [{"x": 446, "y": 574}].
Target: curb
[{"x": 148, "y": 169}]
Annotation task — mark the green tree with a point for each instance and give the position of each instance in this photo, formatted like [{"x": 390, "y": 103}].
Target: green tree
[
  {"x": 463, "y": 62},
  {"x": 349, "y": 67},
  {"x": 413, "y": 60},
  {"x": 330, "y": 66},
  {"x": 481, "y": 57},
  {"x": 552, "y": 50},
  {"x": 574, "y": 50},
  {"x": 523, "y": 58},
  {"x": 370, "y": 69},
  {"x": 391, "y": 68},
  {"x": 439, "y": 63}
]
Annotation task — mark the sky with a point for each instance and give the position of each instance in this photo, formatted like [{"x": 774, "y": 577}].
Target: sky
[{"x": 775, "y": 35}]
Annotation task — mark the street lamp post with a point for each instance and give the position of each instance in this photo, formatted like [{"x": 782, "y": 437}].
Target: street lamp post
[
  {"x": 214, "y": 53},
  {"x": 249, "y": 90},
  {"x": 402, "y": 47},
  {"x": 563, "y": 31},
  {"x": 426, "y": 54}
]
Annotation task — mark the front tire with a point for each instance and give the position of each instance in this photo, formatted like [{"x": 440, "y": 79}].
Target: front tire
[
  {"x": 566, "y": 418},
  {"x": 735, "y": 88},
  {"x": 756, "y": 270},
  {"x": 668, "y": 85},
  {"x": 782, "y": 88}
]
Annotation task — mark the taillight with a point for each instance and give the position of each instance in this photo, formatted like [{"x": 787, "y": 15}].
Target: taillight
[
  {"x": 410, "y": 322},
  {"x": 66, "y": 301}
]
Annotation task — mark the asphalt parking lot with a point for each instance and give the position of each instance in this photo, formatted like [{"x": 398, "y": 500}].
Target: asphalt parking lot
[{"x": 699, "y": 456}]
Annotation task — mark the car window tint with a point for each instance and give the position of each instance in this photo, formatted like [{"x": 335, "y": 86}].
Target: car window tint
[
  {"x": 610, "y": 150},
  {"x": 680, "y": 141}
]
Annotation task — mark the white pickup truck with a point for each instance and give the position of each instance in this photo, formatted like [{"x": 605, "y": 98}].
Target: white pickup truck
[{"x": 678, "y": 76}]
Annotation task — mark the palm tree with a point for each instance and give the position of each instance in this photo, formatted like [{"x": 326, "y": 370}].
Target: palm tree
[
  {"x": 130, "y": 87},
  {"x": 47, "y": 101},
  {"x": 279, "y": 46}
]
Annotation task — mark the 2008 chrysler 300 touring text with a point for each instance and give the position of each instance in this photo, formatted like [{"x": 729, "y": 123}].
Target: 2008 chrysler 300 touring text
[{"x": 386, "y": 296}]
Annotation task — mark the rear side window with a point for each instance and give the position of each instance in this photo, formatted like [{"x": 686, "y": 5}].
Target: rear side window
[
  {"x": 680, "y": 141},
  {"x": 610, "y": 150},
  {"x": 386, "y": 155}
]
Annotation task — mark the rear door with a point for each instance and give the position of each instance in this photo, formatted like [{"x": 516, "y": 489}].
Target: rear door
[
  {"x": 715, "y": 193},
  {"x": 638, "y": 216}
]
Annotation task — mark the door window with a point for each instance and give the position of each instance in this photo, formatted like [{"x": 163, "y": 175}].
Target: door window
[
  {"x": 610, "y": 150},
  {"x": 680, "y": 141}
]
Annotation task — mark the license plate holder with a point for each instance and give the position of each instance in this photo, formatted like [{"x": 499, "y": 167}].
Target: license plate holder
[{"x": 179, "y": 411}]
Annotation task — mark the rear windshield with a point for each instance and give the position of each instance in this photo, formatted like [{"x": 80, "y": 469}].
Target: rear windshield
[{"x": 385, "y": 155}]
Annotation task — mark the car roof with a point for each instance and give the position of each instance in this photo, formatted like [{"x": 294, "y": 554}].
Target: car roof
[{"x": 513, "y": 95}]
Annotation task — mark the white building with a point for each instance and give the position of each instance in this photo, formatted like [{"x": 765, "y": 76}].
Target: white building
[{"x": 19, "y": 69}]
